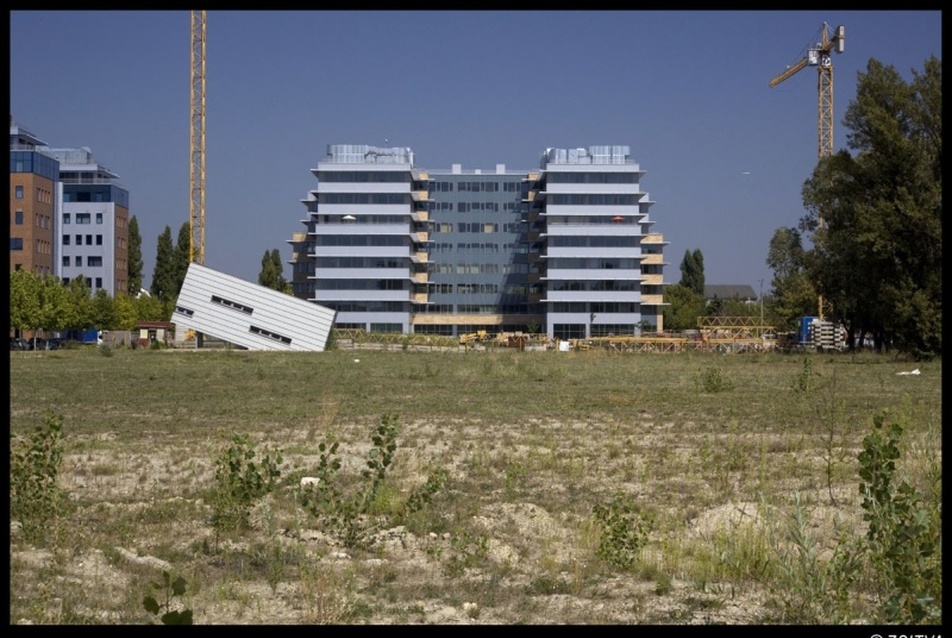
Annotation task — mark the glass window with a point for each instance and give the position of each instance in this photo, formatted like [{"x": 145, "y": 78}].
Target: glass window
[
  {"x": 79, "y": 240},
  {"x": 98, "y": 218},
  {"x": 66, "y": 240},
  {"x": 79, "y": 260},
  {"x": 89, "y": 240},
  {"x": 99, "y": 282},
  {"x": 66, "y": 260},
  {"x": 16, "y": 243},
  {"x": 19, "y": 192},
  {"x": 18, "y": 217},
  {"x": 65, "y": 218},
  {"x": 99, "y": 240}
]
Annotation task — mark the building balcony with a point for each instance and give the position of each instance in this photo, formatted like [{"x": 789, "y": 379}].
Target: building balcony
[
  {"x": 420, "y": 196},
  {"x": 420, "y": 277},
  {"x": 652, "y": 300},
  {"x": 654, "y": 238},
  {"x": 420, "y": 297},
  {"x": 652, "y": 280},
  {"x": 654, "y": 259},
  {"x": 420, "y": 258}
]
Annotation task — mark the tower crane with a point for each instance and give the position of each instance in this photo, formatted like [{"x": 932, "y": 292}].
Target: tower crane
[
  {"x": 196, "y": 176},
  {"x": 819, "y": 56}
]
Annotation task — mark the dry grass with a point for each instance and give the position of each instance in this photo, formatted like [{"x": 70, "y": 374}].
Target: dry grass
[{"x": 532, "y": 441}]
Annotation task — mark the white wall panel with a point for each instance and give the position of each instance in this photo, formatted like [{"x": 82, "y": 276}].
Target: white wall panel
[{"x": 306, "y": 324}]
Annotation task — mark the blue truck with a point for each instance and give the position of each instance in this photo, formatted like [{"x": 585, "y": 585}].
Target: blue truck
[{"x": 90, "y": 336}]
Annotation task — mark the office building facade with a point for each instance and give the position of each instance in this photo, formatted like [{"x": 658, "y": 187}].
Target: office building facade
[
  {"x": 93, "y": 237},
  {"x": 34, "y": 192},
  {"x": 69, "y": 216},
  {"x": 567, "y": 249}
]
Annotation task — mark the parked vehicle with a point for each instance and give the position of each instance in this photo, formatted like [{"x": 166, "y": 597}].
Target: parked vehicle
[
  {"x": 16, "y": 343},
  {"x": 90, "y": 336}
]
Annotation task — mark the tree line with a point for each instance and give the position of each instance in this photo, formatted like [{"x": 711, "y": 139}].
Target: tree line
[
  {"x": 46, "y": 303},
  {"x": 869, "y": 247},
  {"x": 874, "y": 220}
]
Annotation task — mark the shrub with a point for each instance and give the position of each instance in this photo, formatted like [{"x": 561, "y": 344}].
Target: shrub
[
  {"x": 240, "y": 481},
  {"x": 904, "y": 534},
  {"x": 35, "y": 498},
  {"x": 172, "y": 589},
  {"x": 350, "y": 515},
  {"x": 623, "y": 531},
  {"x": 713, "y": 380}
]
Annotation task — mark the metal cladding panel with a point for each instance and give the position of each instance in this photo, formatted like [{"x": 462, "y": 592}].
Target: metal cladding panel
[{"x": 250, "y": 315}]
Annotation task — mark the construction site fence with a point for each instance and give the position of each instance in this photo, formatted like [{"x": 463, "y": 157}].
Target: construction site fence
[{"x": 361, "y": 339}]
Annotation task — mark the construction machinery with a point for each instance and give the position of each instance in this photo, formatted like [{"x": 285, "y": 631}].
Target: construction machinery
[
  {"x": 480, "y": 336},
  {"x": 196, "y": 175},
  {"x": 819, "y": 56}
]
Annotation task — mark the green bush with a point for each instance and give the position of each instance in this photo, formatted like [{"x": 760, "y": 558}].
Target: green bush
[
  {"x": 172, "y": 589},
  {"x": 36, "y": 499},
  {"x": 713, "y": 380},
  {"x": 904, "y": 534},
  {"x": 240, "y": 480},
  {"x": 623, "y": 531},
  {"x": 354, "y": 515}
]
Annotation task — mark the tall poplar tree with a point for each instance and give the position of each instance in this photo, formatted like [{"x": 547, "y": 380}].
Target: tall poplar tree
[
  {"x": 272, "y": 272},
  {"x": 135, "y": 257},
  {"x": 164, "y": 274},
  {"x": 692, "y": 271},
  {"x": 183, "y": 252}
]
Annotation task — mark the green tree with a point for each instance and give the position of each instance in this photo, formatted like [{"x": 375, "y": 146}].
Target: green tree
[
  {"x": 149, "y": 308},
  {"x": 692, "y": 271},
  {"x": 126, "y": 312},
  {"x": 272, "y": 272},
  {"x": 24, "y": 299},
  {"x": 877, "y": 255},
  {"x": 794, "y": 294},
  {"x": 55, "y": 304},
  {"x": 183, "y": 252},
  {"x": 77, "y": 312},
  {"x": 164, "y": 272},
  {"x": 105, "y": 311},
  {"x": 685, "y": 307},
  {"x": 135, "y": 257}
]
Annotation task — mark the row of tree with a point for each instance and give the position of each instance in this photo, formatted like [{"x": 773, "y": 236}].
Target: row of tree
[
  {"x": 869, "y": 248},
  {"x": 686, "y": 300},
  {"x": 874, "y": 219},
  {"x": 46, "y": 303},
  {"x": 172, "y": 260}
]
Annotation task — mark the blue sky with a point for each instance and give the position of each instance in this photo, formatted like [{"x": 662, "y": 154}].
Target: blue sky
[{"x": 724, "y": 155}]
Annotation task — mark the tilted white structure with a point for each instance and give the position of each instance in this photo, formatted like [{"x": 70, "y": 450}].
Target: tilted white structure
[{"x": 249, "y": 315}]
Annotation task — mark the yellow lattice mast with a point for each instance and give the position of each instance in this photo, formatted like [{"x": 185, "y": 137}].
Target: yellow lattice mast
[
  {"x": 196, "y": 175},
  {"x": 819, "y": 56}
]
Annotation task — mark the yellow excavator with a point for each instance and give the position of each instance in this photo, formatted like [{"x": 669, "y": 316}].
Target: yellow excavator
[{"x": 479, "y": 336}]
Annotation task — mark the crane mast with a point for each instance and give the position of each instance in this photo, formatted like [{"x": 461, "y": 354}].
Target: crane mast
[
  {"x": 196, "y": 176},
  {"x": 819, "y": 56}
]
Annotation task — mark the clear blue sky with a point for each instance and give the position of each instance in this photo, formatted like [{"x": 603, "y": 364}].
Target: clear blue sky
[{"x": 725, "y": 155}]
